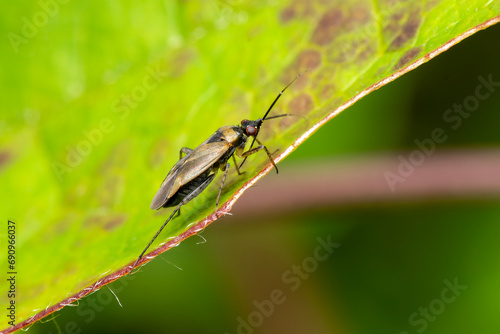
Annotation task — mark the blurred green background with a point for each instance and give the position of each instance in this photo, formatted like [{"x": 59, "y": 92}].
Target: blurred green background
[{"x": 393, "y": 258}]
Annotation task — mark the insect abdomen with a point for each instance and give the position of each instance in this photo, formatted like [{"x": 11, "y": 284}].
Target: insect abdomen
[{"x": 187, "y": 189}]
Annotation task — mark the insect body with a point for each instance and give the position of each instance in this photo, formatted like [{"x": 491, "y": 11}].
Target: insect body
[{"x": 197, "y": 169}]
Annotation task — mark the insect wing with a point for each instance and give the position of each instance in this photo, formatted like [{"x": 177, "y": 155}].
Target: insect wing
[
  {"x": 203, "y": 157},
  {"x": 188, "y": 168},
  {"x": 162, "y": 195}
]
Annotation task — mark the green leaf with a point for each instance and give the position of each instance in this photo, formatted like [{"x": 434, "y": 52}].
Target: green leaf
[{"x": 100, "y": 97}]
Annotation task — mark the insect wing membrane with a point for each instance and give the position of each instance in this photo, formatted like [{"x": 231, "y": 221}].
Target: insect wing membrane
[
  {"x": 164, "y": 193},
  {"x": 203, "y": 157}
]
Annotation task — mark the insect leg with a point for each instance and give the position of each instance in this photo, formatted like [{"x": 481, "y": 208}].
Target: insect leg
[
  {"x": 257, "y": 149},
  {"x": 185, "y": 150},
  {"x": 186, "y": 199},
  {"x": 236, "y": 165},
  {"x": 226, "y": 169},
  {"x": 156, "y": 235}
]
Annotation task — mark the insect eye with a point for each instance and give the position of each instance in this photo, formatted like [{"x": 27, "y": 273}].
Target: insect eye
[{"x": 251, "y": 131}]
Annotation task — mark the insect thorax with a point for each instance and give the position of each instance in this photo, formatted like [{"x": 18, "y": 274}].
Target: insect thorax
[{"x": 234, "y": 135}]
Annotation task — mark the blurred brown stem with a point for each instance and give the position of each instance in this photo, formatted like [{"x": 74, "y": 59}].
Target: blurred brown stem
[{"x": 455, "y": 174}]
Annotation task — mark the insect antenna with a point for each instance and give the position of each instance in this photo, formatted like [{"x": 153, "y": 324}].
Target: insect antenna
[
  {"x": 279, "y": 95},
  {"x": 269, "y": 110}
]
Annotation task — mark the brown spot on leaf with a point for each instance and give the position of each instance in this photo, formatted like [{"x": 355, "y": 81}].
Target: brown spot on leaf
[
  {"x": 299, "y": 9},
  {"x": 308, "y": 60},
  {"x": 4, "y": 157},
  {"x": 327, "y": 92},
  {"x": 358, "y": 16},
  {"x": 106, "y": 222},
  {"x": 328, "y": 26},
  {"x": 345, "y": 51},
  {"x": 407, "y": 31},
  {"x": 287, "y": 14},
  {"x": 113, "y": 222},
  {"x": 366, "y": 53},
  {"x": 388, "y": 3},
  {"x": 286, "y": 122},
  {"x": 353, "y": 51},
  {"x": 323, "y": 82},
  {"x": 407, "y": 57},
  {"x": 300, "y": 105}
]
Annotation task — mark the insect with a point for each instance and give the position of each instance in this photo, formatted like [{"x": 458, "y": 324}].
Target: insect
[{"x": 197, "y": 169}]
